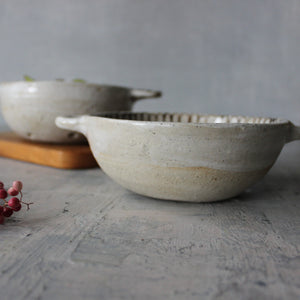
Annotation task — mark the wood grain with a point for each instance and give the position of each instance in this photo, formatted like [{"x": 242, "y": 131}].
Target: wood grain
[
  {"x": 57, "y": 156},
  {"x": 86, "y": 237}
]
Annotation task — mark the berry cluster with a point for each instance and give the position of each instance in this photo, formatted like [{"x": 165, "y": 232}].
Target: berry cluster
[{"x": 14, "y": 204}]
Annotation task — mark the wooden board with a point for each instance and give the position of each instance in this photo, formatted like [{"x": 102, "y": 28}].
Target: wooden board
[{"x": 58, "y": 156}]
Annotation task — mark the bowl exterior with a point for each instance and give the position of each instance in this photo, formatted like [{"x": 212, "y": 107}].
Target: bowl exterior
[
  {"x": 30, "y": 108},
  {"x": 185, "y": 162}
]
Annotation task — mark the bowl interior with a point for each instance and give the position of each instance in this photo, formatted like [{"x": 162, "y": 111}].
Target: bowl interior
[{"x": 190, "y": 118}]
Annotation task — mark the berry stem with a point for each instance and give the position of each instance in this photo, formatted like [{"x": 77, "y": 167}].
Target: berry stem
[{"x": 27, "y": 204}]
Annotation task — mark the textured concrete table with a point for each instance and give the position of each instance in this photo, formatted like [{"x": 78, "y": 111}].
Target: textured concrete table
[{"x": 86, "y": 237}]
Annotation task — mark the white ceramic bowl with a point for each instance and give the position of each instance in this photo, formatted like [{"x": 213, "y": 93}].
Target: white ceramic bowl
[
  {"x": 184, "y": 157},
  {"x": 30, "y": 108}
]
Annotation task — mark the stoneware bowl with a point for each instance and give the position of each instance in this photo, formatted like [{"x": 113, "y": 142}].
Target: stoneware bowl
[
  {"x": 197, "y": 158},
  {"x": 30, "y": 108}
]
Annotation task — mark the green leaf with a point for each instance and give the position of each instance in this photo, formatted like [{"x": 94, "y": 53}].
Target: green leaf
[
  {"x": 28, "y": 78},
  {"x": 79, "y": 80}
]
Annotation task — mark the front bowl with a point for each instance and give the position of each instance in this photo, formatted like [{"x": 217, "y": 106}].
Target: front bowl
[
  {"x": 184, "y": 157},
  {"x": 30, "y": 108}
]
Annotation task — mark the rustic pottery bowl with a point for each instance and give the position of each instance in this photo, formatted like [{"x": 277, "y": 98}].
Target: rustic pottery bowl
[
  {"x": 30, "y": 108},
  {"x": 197, "y": 158}
]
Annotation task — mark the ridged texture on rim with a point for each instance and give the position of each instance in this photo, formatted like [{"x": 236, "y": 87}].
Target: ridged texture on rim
[{"x": 191, "y": 118}]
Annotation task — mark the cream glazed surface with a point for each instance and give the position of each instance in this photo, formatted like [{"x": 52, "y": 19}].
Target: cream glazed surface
[
  {"x": 30, "y": 108},
  {"x": 184, "y": 157}
]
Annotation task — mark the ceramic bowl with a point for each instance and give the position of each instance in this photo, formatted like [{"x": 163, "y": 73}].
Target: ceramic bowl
[
  {"x": 197, "y": 158},
  {"x": 30, "y": 108}
]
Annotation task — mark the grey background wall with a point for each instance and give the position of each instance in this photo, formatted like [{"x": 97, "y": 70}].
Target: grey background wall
[{"x": 211, "y": 56}]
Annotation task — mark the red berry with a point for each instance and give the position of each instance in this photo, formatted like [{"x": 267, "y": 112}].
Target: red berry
[
  {"x": 7, "y": 211},
  {"x": 11, "y": 191},
  {"x": 1, "y": 209},
  {"x": 3, "y": 194},
  {"x": 17, "y": 207},
  {"x": 12, "y": 202},
  {"x": 17, "y": 185},
  {"x": 1, "y": 185},
  {"x": 2, "y": 219}
]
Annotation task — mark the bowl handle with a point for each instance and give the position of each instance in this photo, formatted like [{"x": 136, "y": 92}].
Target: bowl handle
[
  {"x": 137, "y": 94},
  {"x": 72, "y": 123},
  {"x": 294, "y": 133}
]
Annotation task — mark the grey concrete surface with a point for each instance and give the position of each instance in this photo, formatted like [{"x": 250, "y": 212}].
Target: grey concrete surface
[
  {"x": 85, "y": 237},
  {"x": 210, "y": 56}
]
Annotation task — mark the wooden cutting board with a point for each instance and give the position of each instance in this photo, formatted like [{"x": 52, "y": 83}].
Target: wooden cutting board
[{"x": 58, "y": 156}]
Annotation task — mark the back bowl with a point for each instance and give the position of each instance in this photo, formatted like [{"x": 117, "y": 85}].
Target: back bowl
[
  {"x": 184, "y": 157},
  {"x": 30, "y": 108}
]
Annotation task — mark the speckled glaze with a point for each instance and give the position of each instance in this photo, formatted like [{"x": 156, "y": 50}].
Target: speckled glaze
[
  {"x": 184, "y": 157},
  {"x": 30, "y": 108}
]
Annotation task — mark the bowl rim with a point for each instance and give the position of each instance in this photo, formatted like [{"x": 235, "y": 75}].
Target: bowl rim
[
  {"x": 275, "y": 122},
  {"x": 63, "y": 82}
]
